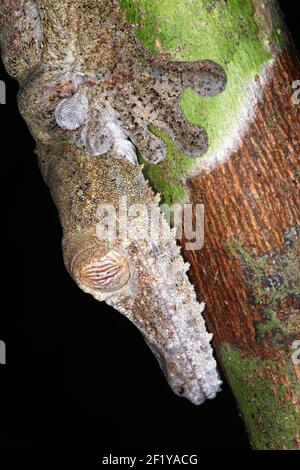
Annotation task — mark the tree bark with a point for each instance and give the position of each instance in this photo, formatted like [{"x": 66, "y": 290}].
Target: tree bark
[{"x": 247, "y": 271}]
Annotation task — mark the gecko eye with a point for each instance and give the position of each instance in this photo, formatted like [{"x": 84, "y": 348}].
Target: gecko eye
[{"x": 109, "y": 273}]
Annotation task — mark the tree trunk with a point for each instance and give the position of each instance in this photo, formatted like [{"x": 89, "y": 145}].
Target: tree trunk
[
  {"x": 247, "y": 272},
  {"x": 248, "y": 269}
]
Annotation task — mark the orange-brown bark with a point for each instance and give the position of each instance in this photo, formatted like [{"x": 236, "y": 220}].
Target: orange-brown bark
[{"x": 252, "y": 200}]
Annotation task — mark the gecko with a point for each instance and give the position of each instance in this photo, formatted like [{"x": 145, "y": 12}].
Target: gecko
[{"x": 88, "y": 92}]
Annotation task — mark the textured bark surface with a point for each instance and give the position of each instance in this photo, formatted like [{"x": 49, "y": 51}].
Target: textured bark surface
[{"x": 252, "y": 209}]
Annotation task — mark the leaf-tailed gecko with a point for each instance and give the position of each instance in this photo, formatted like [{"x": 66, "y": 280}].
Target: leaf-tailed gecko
[{"x": 88, "y": 92}]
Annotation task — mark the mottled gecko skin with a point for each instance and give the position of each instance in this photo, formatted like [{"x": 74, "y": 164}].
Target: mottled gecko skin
[
  {"x": 88, "y": 93},
  {"x": 149, "y": 286}
]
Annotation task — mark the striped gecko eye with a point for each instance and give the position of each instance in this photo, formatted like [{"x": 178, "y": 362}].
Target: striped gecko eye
[{"x": 106, "y": 274}]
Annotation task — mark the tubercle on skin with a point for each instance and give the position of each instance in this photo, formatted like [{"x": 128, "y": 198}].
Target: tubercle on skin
[{"x": 147, "y": 284}]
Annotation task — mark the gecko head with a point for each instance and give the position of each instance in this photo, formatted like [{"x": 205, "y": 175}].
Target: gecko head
[{"x": 158, "y": 299}]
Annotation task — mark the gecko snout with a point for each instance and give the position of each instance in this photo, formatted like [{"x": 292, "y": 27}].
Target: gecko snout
[
  {"x": 187, "y": 378},
  {"x": 185, "y": 383}
]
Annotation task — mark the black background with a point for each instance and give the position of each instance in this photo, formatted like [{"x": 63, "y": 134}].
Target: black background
[{"x": 78, "y": 374}]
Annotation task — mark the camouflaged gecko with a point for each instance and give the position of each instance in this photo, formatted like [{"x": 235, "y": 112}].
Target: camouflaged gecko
[{"x": 88, "y": 92}]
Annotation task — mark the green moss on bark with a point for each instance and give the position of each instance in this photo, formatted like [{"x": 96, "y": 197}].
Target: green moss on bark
[
  {"x": 272, "y": 279},
  {"x": 271, "y": 417}
]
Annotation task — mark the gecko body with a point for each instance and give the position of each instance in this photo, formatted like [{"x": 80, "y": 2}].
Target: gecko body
[{"x": 89, "y": 92}]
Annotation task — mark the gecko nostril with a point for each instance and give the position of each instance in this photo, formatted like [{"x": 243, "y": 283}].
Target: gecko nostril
[
  {"x": 181, "y": 391},
  {"x": 107, "y": 274}
]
